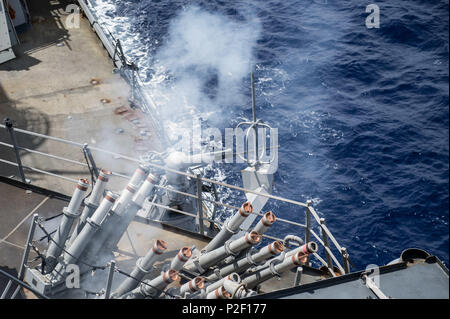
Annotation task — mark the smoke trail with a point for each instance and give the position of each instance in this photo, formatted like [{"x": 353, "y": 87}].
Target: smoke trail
[{"x": 204, "y": 61}]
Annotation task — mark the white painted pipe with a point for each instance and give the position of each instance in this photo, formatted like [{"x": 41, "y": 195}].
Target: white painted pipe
[
  {"x": 181, "y": 258},
  {"x": 233, "y": 247},
  {"x": 230, "y": 227},
  {"x": 153, "y": 254},
  {"x": 78, "y": 195},
  {"x": 99, "y": 187},
  {"x": 192, "y": 286},
  {"x": 237, "y": 290},
  {"x": 103, "y": 208},
  {"x": 139, "y": 175},
  {"x": 143, "y": 267},
  {"x": 93, "y": 224},
  {"x": 238, "y": 218},
  {"x": 246, "y": 262},
  {"x": 265, "y": 222},
  {"x": 121, "y": 224},
  {"x": 274, "y": 269},
  {"x": 92, "y": 202},
  {"x": 124, "y": 199},
  {"x": 157, "y": 285},
  {"x": 213, "y": 286},
  {"x": 306, "y": 249},
  {"x": 145, "y": 189},
  {"x": 219, "y": 293},
  {"x": 70, "y": 213}
]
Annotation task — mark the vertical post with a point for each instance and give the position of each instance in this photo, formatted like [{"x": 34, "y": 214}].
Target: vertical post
[
  {"x": 345, "y": 260},
  {"x": 326, "y": 244},
  {"x": 308, "y": 224},
  {"x": 252, "y": 77},
  {"x": 255, "y": 126},
  {"x": 133, "y": 80},
  {"x": 24, "y": 258},
  {"x": 9, "y": 127},
  {"x": 298, "y": 276},
  {"x": 200, "y": 204},
  {"x": 112, "y": 266},
  {"x": 91, "y": 158}
]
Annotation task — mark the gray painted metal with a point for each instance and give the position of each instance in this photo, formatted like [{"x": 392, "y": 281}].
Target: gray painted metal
[
  {"x": 143, "y": 267},
  {"x": 153, "y": 288},
  {"x": 112, "y": 266},
  {"x": 422, "y": 279},
  {"x": 110, "y": 223},
  {"x": 24, "y": 258},
  {"x": 10, "y": 128},
  {"x": 229, "y": 248},
  {"x": 123, "y": 221},
  {"x": 91, "y": 204},
  {"x": 230, "y": 227},
  {"x": 275, "y": 269},
  {"x": 70, "y": 213},
  {"x": 251, "y": 259},
  {"x": 75, "y": 250},
  {"x": 213, "y": 286},
  {"x": 6, "y": 43}
]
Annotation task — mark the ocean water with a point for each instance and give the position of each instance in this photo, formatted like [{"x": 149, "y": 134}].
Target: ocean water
[{"x": 362, "y": 113}]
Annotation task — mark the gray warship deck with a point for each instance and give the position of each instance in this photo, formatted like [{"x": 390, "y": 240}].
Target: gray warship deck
[{"x": 426, "y": 279}]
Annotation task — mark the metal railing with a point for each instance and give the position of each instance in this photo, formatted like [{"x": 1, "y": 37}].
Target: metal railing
[
  {"x": 128, "y": 69},
  {"x": 325, "y": 238}
]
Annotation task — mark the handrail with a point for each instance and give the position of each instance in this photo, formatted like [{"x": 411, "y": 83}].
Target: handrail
[
  {"x": 308, "y": 207},
  {"x": 204, "y": 179}
]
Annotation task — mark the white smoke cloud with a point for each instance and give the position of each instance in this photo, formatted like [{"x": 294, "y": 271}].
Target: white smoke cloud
[{"x": 205, "y": 59}]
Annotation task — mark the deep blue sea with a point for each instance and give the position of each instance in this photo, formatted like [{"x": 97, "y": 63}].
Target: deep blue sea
[{"x": 362, "y": 113}]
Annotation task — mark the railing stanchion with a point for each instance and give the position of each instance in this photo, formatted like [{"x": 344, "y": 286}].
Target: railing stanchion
[
  {"x": 326, "y": 244},
  {"x": 112, "y": 266},
  {"x": 199, "y": 204},
  {"x": 308, "y": 224},
  {"x": 24, "y": 259},
  {"x": 298, "y": 276},
  {"x": 88, "y": 153},
  {"x": 345, "y": 260},
  {"x": 10, "y": 128}
]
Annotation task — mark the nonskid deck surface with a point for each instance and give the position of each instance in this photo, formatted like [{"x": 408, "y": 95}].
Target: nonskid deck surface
[
  {"x": 49, "y": 89},
  {"x": 422, "y": 279}
]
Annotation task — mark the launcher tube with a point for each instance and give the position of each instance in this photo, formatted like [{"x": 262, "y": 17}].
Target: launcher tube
[
  {"x": 155, "y": 286},
  {"x": 70, "y": 213},
  {"x": 273, "y": 270},
  {"x": 251, "y": 259},
  {"x": 230, "y": 227},
  {"x": 92, "y": 202},
  {"x": 265, "y": 222},
  {"x": 233, "y": 247},
  {"x": 143, "y": 267}
]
